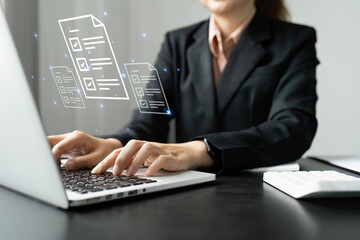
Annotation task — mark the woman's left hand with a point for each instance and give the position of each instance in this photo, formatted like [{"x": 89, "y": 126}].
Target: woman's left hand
[{"x": 155, "y": 156}]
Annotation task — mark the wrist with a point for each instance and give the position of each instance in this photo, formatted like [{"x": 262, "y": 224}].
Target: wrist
[{"x": 200, "y": 153}]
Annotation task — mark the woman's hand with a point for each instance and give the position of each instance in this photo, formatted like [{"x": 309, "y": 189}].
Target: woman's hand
[
  {"x": 155, "y": 156},
  {"x": 83, "y": 150}
]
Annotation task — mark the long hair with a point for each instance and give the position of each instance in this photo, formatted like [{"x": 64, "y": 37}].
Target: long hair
[{"x": 273, "y": 9}]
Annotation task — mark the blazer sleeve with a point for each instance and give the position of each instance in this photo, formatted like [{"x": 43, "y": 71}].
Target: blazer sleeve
[
  {"x": 153, "y": 127},
  {"x": 291, "y": 124}
]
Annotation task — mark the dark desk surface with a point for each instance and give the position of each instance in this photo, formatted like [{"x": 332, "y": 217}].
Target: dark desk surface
[{"x": 234, "y": 207}]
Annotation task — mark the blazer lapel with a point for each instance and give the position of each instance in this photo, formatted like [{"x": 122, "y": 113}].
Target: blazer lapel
[
  {"x": 199, "y": 61},
  {"x": 245, "y": 56}
]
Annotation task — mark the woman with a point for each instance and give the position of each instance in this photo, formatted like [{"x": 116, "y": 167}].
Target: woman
[{"x": 245, "y": 97}]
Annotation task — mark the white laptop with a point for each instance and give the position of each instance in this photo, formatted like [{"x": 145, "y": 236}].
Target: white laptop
[{"x": 27, "y": 164}]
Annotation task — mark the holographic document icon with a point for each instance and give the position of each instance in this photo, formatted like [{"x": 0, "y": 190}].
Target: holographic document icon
[
  {"x": 93, "y": 57},
  {"x": 147, "y": 88},
  {"x": 67, "y": 86}
]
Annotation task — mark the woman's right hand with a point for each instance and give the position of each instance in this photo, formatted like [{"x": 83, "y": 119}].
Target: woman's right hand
[{"x": 82, "y": 149}]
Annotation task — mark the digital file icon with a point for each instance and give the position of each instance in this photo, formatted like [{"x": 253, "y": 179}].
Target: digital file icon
[
  {"x": 67, "y": 86},
  {"x": 93, "y": 57},
  {"x": 147, "y": 88}
]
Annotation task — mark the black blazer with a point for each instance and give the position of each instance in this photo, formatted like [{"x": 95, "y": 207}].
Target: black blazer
[{"x": 262, "y": 112}]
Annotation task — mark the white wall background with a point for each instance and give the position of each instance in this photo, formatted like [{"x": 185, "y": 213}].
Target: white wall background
[
  {"x": 338, "y": 30},
  {"x": 337, "y": 24}
]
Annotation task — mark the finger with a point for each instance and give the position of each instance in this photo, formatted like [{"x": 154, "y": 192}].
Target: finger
[
  {"x": 85, "y": 161},
  {"x": 147, "y": 163},
  {"x": 128, "y": 163},
  {"x": 73, "y": 140},
  {"x": 107, "y": 162},
  {"x": 54, "y": 139},
  {"x": 126, "y": 155},
  {"x": 158, "y": 164},
  {"x": 147, "y": 150},
  {"x": 73, "y": 153},
  {"x": 150, "y": 160}
]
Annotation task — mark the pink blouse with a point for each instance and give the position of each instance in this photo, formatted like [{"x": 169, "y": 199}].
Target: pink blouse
[{"x": 221, "y": 49}]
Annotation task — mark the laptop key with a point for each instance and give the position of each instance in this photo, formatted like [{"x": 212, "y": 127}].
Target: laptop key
[
  {"x": 124, "y": 185},
  {"x": 138, "y": 183},
  {"x": 80, "y": 184},
  {"x": 109, "y": 186},
  {"x": 89, "y": 186},
  {"x": 96, "y": 190},
  {"x": 150, "y": 181},
  {"x": 121, "y": 184},
  {"x": 100, "y": 183}
]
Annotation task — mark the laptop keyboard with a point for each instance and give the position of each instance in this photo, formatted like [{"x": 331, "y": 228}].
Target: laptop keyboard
[{"x": 82, "y": 181}]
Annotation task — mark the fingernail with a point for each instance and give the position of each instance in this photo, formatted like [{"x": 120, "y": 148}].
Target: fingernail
[
  {"x": 95, "y": 169},
  {"x": 116, "y": 170},
  {"x": 147, "y": 172},
  {"x": 129, "y": 171},
  {"x": 70, "y": 165}
]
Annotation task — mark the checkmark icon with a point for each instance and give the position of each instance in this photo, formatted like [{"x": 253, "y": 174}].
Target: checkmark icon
[
  {"x": 139, "y": 92},
  {"x": 82, "y": 64},
  {"x": 143, "y": 104},
  {"x": 75, "y": 44},
  {"x": 58, "y": 79},
  {"x": 89, "y": 84},
  {"x": 135, "y": 78}
]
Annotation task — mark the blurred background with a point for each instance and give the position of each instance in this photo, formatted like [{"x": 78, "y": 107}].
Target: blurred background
[{"x": 136, "y": 29}]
